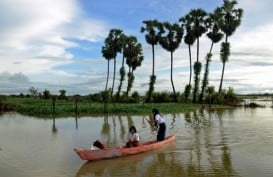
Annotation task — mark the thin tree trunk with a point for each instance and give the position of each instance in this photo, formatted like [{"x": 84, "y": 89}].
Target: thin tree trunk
[
  {"x": 129, "y": 81},
  {"x": 197, "y": 50},
  {"x": 151, "y": 85},
  {"x": 175, "y": 99},
  {"x": 121, "y": 77},
  {"x": 211, "y": 46},
  {"x": 153, "y": 50},
  {"x": 114, "y": 76},
  {"x": 189, "y": 46},
  {"x": 108, "y": 61},
  {"x": 223, "y": 70},
  {"x": 206, "y": 75}
]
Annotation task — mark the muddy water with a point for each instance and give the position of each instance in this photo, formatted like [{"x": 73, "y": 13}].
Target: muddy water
[{"x": 234, "y": 142}]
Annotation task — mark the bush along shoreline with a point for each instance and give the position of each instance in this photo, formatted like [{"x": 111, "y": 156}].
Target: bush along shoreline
[{"x": 49, "y": 108}]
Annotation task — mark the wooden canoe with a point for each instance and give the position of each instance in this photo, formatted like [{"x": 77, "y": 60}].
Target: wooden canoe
[{"x": 91, "y": 155}]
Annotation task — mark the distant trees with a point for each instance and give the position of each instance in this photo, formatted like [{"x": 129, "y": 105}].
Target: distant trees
[
  {"x": 222, "y": 22},
  {"x": 230, "y": 20},
  {"x": 33, "y": 91},
  {"x": 170, "y": 38},
  {"x": 194, "y": 22},
  {"x": 152, "y": 36},
  {"x": 134, "y": 58},
  {"x": 113, "y": 45},
  {"x": 215, "y": 35},
  {"x": 62, "y": 95}
]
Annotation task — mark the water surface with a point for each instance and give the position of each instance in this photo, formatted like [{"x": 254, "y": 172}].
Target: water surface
[{"x": 234, "y": 142}]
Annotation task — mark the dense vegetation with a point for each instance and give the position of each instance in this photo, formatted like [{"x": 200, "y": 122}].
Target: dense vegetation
[{"x": 47, "y": 105}]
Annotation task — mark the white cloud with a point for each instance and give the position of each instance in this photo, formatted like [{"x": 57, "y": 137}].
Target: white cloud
[{"x": 35, "y": 36}]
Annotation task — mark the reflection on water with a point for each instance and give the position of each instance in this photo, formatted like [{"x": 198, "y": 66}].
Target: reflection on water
[{"x": 233, "y": 142}]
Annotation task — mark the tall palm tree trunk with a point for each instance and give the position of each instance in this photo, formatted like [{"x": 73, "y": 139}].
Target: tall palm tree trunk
[
  {"x": 197, "y": 55},
  {"x": 175, "y": 99},
  {"x": 223, "y": 71},
  {"x": 153, "y": 51},
  {"x": 189, "y": 46},
  {"x": 114, "y": 77},
  {"x": 152, "y": 78},
  {"x": 108, "y": 61},
  {"x": 122, "y": 76},
  {"x": 197, "y": 66},
  {"x": 206, "y": 74}
]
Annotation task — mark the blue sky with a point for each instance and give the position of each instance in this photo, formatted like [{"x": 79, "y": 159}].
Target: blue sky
[{"x": 54, "y": 45}]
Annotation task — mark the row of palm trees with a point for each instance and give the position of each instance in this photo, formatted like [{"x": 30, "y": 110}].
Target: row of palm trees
[
  {"x": 118, "y": 42},
  {"x": 222, "y": 22}
]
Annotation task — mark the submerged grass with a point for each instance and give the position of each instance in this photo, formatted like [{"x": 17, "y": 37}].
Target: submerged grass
[{"x": 44, "y": 108}]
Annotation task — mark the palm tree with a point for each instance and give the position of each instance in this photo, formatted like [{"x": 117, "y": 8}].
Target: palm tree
[
  {"x": 134, "y": 58},
  {"x": 114, "y": 40},
  {"x": 189, "y": 39},
  {"x": 231, "y": 20},
  {"x": 215, "y": 35},
  {"x": 122, "y": 71},
  {"x": 152, "y": 38},
  {"x": 108, "y": 54},
  {"x": 196, "y": 20},
  {"x": 171, "y": 36}
]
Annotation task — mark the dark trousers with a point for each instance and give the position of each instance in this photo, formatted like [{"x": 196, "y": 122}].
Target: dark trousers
[{"x": 161, "y": 132}]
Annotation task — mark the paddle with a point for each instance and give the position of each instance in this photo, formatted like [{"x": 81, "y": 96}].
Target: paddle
[{"x": 149, "y": 121}]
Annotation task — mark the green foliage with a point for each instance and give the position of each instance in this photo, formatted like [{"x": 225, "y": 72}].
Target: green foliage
[
  {"x": 130, "y": 82},
  {"x": 135, "y": 98},
  {"x": 197, "y": 70},
  {"x": 162, "y": 97},
  {"x": 151, "y": 89},
  {"x": 2, "y": 98},
  {"x": 97, "y": 97},
  {"x": 153, "y": 31},
  {"x": 122, "y": 73},
  {"x": 225, "y": 97},
  {"x": 62, "y": 95},
  {"x": 46, "y": 94},
  {"x": 225, "y": 51},
  {"x": 205, "y": 79},
  {"x": 187, "y": 92},
  {"x": 171, "y": 36},
  {"x": 134, "y": 58},
  {"x": 33, "y": 91},
  {"x": 106, "y": 96},
  {"x": 231, "y": 18}
]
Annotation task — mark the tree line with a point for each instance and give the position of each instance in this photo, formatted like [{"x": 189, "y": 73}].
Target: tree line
[{"x": 217, "y": 25}]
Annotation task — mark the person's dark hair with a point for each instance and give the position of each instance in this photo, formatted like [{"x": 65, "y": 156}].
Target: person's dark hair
[
  {"x": 155, "y": 111},
  {"x": 134, "y": 128},
  {"x": 98, "y": 144}
]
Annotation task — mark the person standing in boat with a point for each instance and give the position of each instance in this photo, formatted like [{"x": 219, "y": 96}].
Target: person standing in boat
[
  {"x": 160, "y": 123},
  {"x": 132, "y": 137}
]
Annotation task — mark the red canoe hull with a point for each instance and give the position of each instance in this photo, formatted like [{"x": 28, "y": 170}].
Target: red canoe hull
[{"x": 88, "y": 154}]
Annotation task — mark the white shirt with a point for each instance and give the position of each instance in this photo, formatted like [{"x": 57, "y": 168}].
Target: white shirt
[
  {"x": 159, "y": 119},
  {"x": 132, "y": 137}
]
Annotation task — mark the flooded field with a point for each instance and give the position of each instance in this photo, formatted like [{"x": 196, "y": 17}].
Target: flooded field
[{"x": 233, "y": 142}]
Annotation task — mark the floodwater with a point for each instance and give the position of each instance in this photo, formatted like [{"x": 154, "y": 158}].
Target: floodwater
[{"x": 233, "y": 142}]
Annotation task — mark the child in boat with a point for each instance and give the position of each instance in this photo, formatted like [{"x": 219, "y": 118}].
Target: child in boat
[
  {"x": 97, "y": 145},
  {"x": 159, "y": 122},
  {"x": 132, "y": 137}
]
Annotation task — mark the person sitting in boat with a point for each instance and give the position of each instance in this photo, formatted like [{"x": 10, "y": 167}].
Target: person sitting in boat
[
  {"x": 132, "y": 137},
  {"x": 159, "y": 122},
  {"x": 98, "y": 145}
]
